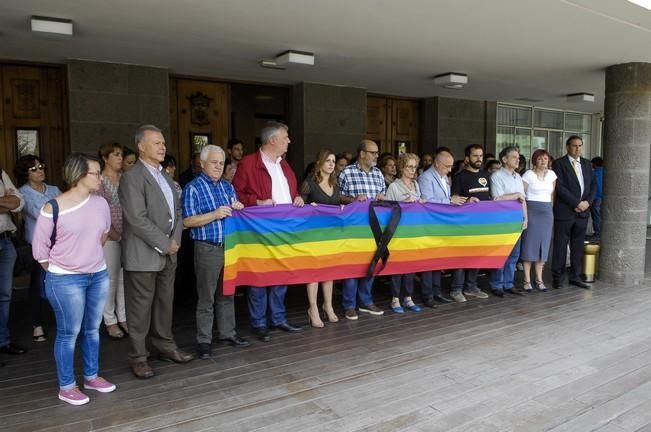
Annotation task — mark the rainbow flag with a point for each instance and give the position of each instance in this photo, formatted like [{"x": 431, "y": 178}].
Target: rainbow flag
[{"x": 285, "y": 245}]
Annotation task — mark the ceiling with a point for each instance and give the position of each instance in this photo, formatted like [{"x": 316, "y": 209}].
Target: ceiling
[{"x": 510, "y": 49}]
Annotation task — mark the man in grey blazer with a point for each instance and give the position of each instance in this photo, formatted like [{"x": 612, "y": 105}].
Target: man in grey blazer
[{"x": 150, "y": 242}]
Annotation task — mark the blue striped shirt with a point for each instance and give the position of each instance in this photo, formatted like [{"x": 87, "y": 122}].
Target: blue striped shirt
[{"x": 204, "y": 195}]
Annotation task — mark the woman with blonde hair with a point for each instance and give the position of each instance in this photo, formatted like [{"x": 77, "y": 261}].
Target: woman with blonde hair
[
  {"x": 68, "y": 239},
  {"x": 321, "y": 188},
  {"x": 404, "y": 189}
]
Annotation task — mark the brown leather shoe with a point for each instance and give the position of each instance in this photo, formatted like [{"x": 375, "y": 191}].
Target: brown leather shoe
[
  {"x": 176, "y": 356},
  {"x": 142, "y": 370}
]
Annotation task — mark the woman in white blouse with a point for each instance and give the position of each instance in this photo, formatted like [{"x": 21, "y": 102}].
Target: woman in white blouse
[
  {"x": 539, "y": 184},
  {"x": 404, "y": 189}
]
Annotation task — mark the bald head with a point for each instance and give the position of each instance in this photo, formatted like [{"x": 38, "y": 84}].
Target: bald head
[{"x": 443, "y": 163}]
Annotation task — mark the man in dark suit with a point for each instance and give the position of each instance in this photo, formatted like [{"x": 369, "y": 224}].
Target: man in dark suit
[
  {"x": 150, "y": 241},
  {"x": 575, "y": 191}
]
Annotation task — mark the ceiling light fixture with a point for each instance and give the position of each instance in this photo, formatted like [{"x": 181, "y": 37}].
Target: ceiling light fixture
[
  {"x": 580, "y": 97},
  {"x": 287, "y": 58},
  {"x": 295, "y": 57},
  {"x": 646, "y": 4},
  {"x": 52, "y": 25},
  {"x": 451, "y": 80}
]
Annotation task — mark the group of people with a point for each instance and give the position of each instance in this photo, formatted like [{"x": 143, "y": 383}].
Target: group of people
[{"x": 106, "y": 249}]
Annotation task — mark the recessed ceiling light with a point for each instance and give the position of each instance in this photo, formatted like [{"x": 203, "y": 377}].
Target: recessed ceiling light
[
  {"x": 52, "y": 25},
  {"x": 451, "y": 80},
  {"x": 646, "y": 4}
]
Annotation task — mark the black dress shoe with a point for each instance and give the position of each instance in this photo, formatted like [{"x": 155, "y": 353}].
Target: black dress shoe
[
  {"x": 204, "y": 351},
  {"x": 429, "y": 303},
  {"x": 12, "y": 349},
  {"x": 556, "y": 284},
  {"x": 262, "y": 333},
  {"x": 498, "y": 293},
  {"x": 443, "y": 300},
  {"x": 580, "y": 284},
  {"x": 514, "y": 292},
  {"x": 236, "y": 341},
  {"x": 287, "y": 327}
]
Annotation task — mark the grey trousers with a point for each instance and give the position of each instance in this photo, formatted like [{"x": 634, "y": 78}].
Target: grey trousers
[
  {"x": 208, "y": 266},
  {"x": 149, "y": 298}
]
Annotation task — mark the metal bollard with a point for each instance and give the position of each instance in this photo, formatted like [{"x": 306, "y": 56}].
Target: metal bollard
[{"x": 590, "y": 260}]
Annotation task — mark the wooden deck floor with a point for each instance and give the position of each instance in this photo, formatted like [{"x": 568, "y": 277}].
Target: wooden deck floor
[{"x": 567, "y": 360}]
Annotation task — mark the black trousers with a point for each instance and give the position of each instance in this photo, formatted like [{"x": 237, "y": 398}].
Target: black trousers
[{"x": 572, "y": 232}]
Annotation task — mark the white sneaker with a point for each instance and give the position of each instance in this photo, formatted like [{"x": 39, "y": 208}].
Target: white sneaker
[
  {"x": 476, "y": 292},
  {"x": 457, "y": 297}
]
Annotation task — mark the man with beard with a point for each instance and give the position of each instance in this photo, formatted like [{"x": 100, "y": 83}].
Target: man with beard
[
  {"x": 473, "y": 184},
  {"x": 361, "y": 181}
]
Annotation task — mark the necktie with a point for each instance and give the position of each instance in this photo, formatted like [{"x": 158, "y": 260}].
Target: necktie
[{"x": 579, "y": 176}]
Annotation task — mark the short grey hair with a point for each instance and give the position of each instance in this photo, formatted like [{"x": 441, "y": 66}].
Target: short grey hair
[
  {"x": 210, "y": 148},
  {"x": 140, "y": 132},
  {"x": 505, "y": 152},
  {"x": 271, "y": 129}
]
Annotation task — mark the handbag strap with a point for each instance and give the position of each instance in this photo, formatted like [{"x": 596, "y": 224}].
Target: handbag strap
[
  {"x": 382, "y": 238},
  {"x": 55, "y": 217}
]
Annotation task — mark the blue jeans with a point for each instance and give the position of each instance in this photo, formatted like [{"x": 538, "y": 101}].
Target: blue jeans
[
  {"x": 405, "y": 281},
  {"x": 78, "y": 304},
  {"x": 502, "y": 279},
  {"x": 464, "y": 277},
  {"x": 430, "y": 282},
  {"x": 261, "y": 299},
  {"x": 352, "y": 288},
  {"x": 7, "y": 260}
]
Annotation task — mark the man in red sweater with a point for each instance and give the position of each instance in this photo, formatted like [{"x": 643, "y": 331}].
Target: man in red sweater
[{"x": 265, "y": 178}]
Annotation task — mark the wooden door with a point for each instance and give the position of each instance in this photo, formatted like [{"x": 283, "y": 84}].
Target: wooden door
[
  {"x": 390, "y": 122},
  {"x": 33, "y": 117},
  {"x": 376, "y": 121},
  {"x": 404, "y": 125},
  {"x": 199, "y": 112}
]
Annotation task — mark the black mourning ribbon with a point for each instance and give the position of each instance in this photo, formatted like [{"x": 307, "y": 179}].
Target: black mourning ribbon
[{"x": 382, "y": 238}]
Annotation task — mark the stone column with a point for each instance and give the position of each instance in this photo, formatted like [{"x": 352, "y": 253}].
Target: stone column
[{"x": 627, "y": 144}]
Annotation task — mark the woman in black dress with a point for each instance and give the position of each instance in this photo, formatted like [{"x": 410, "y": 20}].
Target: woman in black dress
[{"x": 320, "y": 187}]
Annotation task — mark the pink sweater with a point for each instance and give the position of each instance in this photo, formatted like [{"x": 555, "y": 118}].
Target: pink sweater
[{"x": 78, "y": 246}]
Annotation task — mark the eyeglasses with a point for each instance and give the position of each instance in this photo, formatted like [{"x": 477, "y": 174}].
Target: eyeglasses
[
  {"x": 97, "y": 174},
  {"x": 374, "y": 153},
  {"x": 411, "y": 167},
  {"x": 37, "y": 167}
]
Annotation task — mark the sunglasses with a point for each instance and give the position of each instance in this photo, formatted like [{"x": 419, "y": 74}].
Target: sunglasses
[{"x": 38, "y": 167}]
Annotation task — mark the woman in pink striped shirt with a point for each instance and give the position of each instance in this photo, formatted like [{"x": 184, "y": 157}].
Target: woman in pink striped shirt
[{"x": 76, "y": 281}]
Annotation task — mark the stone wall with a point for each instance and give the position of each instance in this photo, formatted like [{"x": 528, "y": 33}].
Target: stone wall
[
  {"x": 325, "y": 116},
  {"x": 108, "y": 101},
  {"x": 455, "y": 123}
]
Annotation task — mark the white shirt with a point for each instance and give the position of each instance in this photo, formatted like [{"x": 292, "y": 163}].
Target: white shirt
[
  {"x": 539, "y": 190},
  {"x": 6, "y": 224},
  {"x": 157, "y": 173},
  {"x": 279, "y": 186},
  {"x": 579, "y": 173}
]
